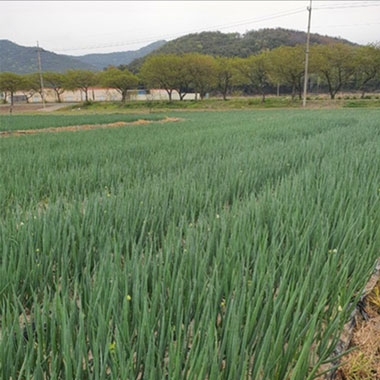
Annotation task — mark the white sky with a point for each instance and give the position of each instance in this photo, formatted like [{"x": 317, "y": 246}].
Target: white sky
[{"x": 83, "y": 27}]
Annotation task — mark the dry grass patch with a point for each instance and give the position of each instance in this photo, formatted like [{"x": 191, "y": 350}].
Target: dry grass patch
[{"x": 364, "y": 361}]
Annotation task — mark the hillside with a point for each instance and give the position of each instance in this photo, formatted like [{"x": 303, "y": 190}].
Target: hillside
[
  {"x": 22, "y": 60},
  {"x": 242, "y": 45},
  {"x": 100, "y": 61},
  {"x": 235, "y": 44}
]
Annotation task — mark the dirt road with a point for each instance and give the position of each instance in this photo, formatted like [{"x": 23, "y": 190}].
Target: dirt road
[{"x": 26, "y": 108}]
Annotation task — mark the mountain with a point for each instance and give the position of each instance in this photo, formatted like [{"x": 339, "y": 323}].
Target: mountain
[
  {"x": 100, "y": 61},
  {"x": 235, "y": 44},
  {"x": 22, "y": 60}
]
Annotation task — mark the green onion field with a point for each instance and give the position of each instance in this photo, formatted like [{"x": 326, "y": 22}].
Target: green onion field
[{"x": 227, "y": 245}]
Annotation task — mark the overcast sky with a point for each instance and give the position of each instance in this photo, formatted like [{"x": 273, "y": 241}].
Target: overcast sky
[{"x": 83, "y": 27}]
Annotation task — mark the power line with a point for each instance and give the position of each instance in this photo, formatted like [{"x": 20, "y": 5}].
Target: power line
[
  {"x": 250, "y": 21},
  {"x": 345, "y": 25},
  {"x": 347, "y": 6},
  {"x": 266, "y": 18},
  {"x": 220, "y": 27}
]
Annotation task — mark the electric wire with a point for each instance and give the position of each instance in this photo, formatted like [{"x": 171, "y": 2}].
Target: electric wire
[
  {"x": 169, "y": 36},
  {"x": 250, "y": 21}
]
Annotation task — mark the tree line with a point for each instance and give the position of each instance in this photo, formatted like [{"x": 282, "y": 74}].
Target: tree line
[{"x": 332, "y": 68}]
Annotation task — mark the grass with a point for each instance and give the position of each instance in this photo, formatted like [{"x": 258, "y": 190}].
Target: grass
[
  {"x": 362, "y": 103},
  {"x": 38, "y": 121},
  {"x": 230, "y": 245},
  {"x": 212, "y": 103},
  {"x": 232, "y": 103}
]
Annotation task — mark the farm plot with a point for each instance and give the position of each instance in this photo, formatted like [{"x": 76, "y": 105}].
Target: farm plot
[{"x": 230, "y": 245}]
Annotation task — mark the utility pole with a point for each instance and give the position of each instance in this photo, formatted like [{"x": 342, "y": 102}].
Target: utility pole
[
  {"x": 307, "y": 57},
  {"x": 40, "y": 71}
]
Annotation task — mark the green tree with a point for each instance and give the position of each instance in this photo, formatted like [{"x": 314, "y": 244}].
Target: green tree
[
  {"x": 120, "y": 80},
  {"x": 287, "y": 66},
  {"x": 55, "y": 81},
  {"x": 163, "y": 71},
  {"x": 201, "y": 70},
  {"x": 367, "y": 66},
  {"x": 335, "y": 63},
  {"x": 82, "y": 79},
  {"x": 226, "y": 75},
  {"x": 30, "y": 84},
  {"x": 10, "y": 83},
  {"x": 254, "y": 70}
]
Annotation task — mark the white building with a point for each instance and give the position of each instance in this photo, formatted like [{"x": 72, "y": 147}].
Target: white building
[{"x": 96, "y": 94}]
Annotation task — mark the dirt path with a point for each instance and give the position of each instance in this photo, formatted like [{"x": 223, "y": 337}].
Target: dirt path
[
  {"x": 53, "y": 107},
  {"x": 74, "y": 128},
  {"x": 20, "y": 108}
]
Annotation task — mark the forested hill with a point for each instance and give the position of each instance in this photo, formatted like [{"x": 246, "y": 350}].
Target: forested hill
[
  {"x": 22, "y": 60},
  {"x": 235, "y": 44}
]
